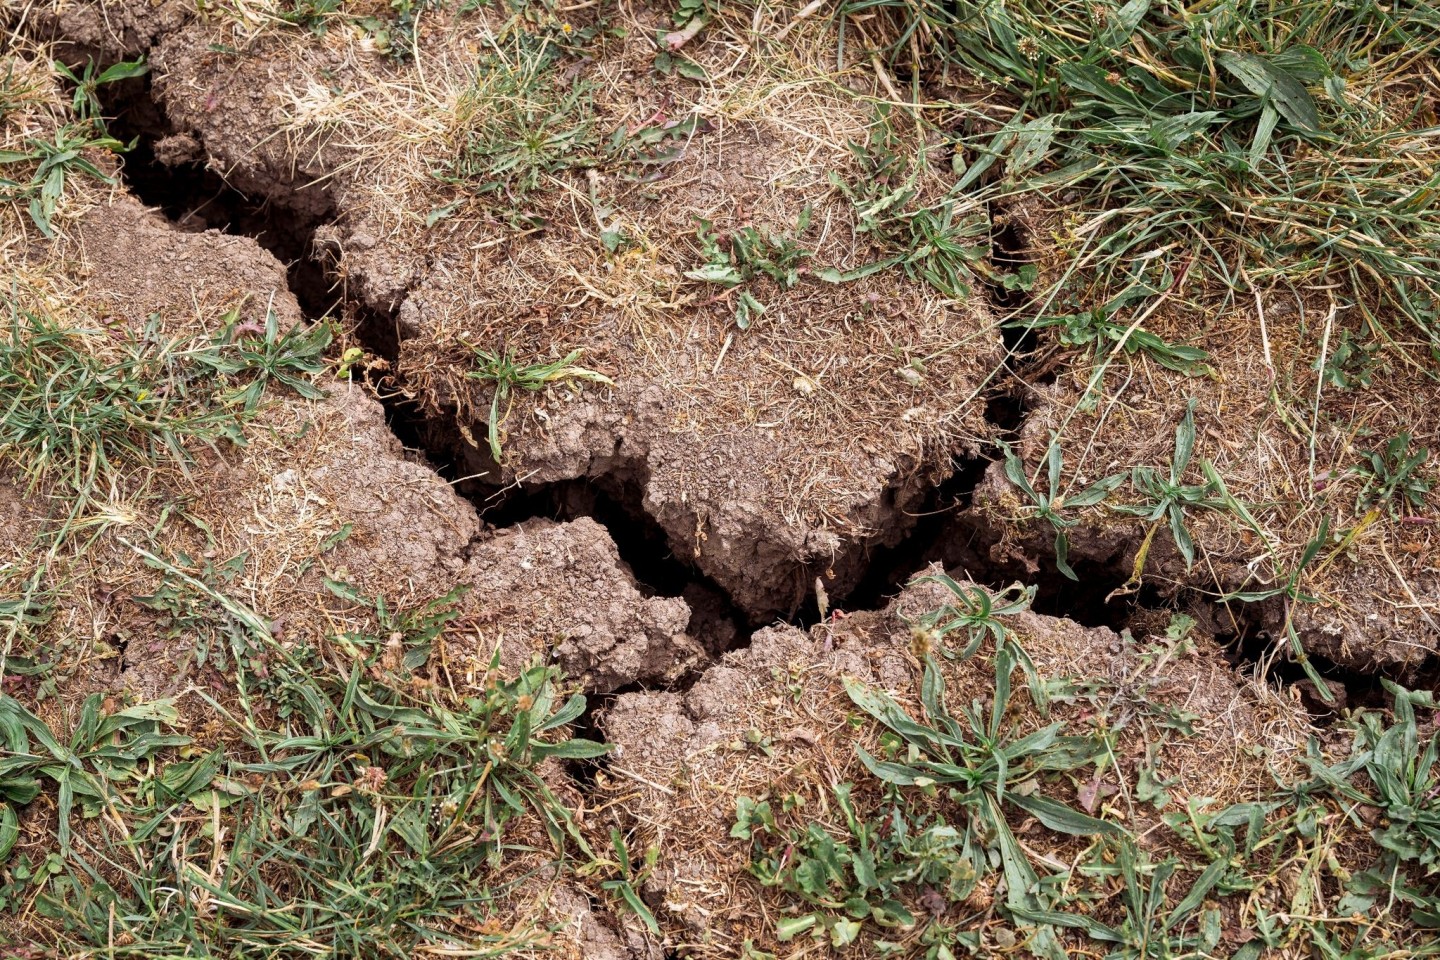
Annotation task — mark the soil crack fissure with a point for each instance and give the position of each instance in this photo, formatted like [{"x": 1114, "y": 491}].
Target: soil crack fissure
[{"x": 946, "y": 529}]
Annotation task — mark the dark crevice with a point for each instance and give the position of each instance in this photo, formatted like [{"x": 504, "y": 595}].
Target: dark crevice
[
  {"x": 432, "y": 438},
  {"x": 1007, "y": 256},
  {"x": 378, "y": 331},
  {"x": 888, "y": 569},
  {"x": 195, "y": 197},
  {"x": 1252, "y": 643},
  {"x": 973, "y": 547}
]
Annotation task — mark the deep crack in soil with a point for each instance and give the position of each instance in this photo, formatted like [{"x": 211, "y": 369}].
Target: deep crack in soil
[{"x": 169, "y": 170}]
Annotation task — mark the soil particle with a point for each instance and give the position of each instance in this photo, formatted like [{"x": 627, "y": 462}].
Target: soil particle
[{"x": 181, "y": 148}]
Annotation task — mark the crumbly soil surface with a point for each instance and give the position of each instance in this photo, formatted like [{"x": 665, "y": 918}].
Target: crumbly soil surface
[
  {"x": 772, "y": 722},
  {"x": 764, "y": 474},
  {"x": 792, "y": 450},
  {"x": 769, "y": 456},
  {"x": 1290, "y": 444}
]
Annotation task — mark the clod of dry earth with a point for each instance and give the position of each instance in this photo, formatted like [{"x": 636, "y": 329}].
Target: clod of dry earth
[
  {"x": 108, "y": 30},
  {"x": 1288, "y": 445},
  {"x": 769, "y": 456},
  {"x": 683, "y": 759}
]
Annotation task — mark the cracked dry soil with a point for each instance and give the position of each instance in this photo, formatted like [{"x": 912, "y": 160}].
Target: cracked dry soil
[{"x": 636, "y": 535}]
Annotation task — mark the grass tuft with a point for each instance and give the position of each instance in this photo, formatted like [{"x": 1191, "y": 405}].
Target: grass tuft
[
  {"x": 1265, "y": 142},
  {"x": 82, "y": 406}
]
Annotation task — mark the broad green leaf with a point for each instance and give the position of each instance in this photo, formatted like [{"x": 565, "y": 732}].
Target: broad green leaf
[
  {"x": 788, "y": 928},
  {"x": 1063, "y": 819},
  {"x": 1264, "y": 132},
  {"x": 1055, "y": 918},
  {"x": 570, "y": 712},
  {"x": 571, "y": 750},
  {"x": 1032, "y": 144},
  {"x": 843, "y": 933},
  {"x": 1096, "y": 492},
  {"x": 1273, "y": 84},
  {"x": 717, "y": 273},
  {"x": 999, "y": 146},
  {"x": 1184, "y": 443},
  {"x": 1202, "y": 886},
  {"x": 1062, "y": 553},
  {"x": 123, "y": 71},
  {"x": 642, "y": 910},
  {"x": 1020, "y": 877},
  {"x": 1015, "y": 471},
  {"x": 832, "y": 275},
  {"x": 1170, "y": 132},
  {"x": 1181, "y": 534},
  {"x": 895, "y": 773}
]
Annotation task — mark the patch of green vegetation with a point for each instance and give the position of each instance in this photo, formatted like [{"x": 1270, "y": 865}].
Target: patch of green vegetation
[
  {"x": 902, "y": 864},
  {"x": 734, "y": 260},
  {"x": 354, "y": 807},
  {"x": 18, "y": 87},
  {"x": 869, "y": 870},
  {"x": 393, "y": 35},
  {"x": 1294, "y": 592},
  {"x": 943, "y": 242},
  {"x": 975, "y": 613},
  {"x": 507, "y": 375},
  {"x": 861, "y": 875},
  {"x": 653, "y": 143},
  {"x": 1391, "y": 476},
  {"x": 27, "y": 602},
  {"x": 195, "y": 615},
  {"x": 1051, "y": 505},
  {"x": 524, "y": 122},
  {"x": 412, "y": 631},
  {"x": 1151, "y": 929},
  {"x": 1167, "y": 496},
  {"x": 941, "y": 830},
  {"x": 312, "y": 15},
  {"x": 1097, "y": 330},
  {"x": 626, "y": 878},
  {"x": 101, "y": 750},
  {"x": 534, "y": 131},
  {"x": 1265, "y": 143},
  {"x": 81, "y": 406},
  {"x": 1393, "y": 768},
  {"x": 1352, "y": 364},
  {"x": 54, "y": 161}
]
